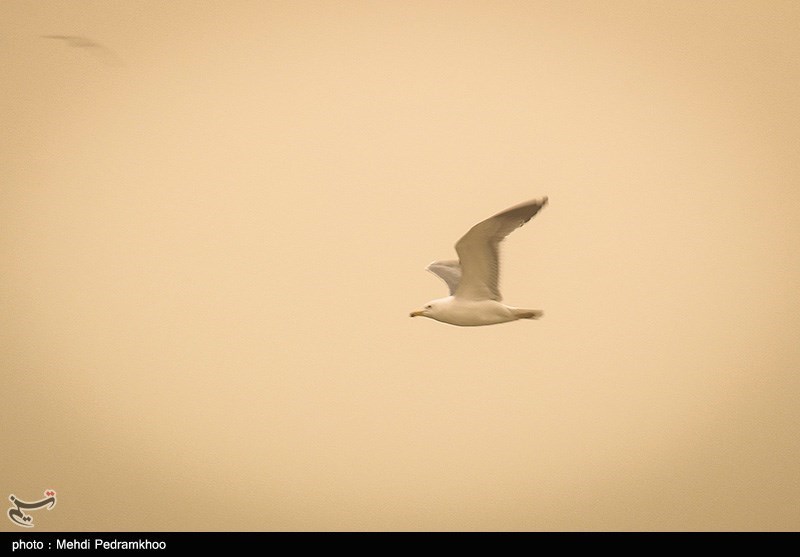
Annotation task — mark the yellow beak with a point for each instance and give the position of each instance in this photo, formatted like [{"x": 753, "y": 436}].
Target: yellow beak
[{"x": 416, "y": 313}]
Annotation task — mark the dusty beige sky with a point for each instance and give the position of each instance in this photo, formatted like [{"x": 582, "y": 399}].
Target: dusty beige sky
[{"x": 209, "y": 253}]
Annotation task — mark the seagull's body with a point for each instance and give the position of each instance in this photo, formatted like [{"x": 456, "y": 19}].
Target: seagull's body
[{"x": 473, "y": 280}]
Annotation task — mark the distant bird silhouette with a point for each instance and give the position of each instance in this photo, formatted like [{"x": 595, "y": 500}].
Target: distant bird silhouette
[{"x": 106, "y": 54}]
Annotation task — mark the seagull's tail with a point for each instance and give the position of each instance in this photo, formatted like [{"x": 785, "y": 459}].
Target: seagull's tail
[{"x": 528, "y": 313}]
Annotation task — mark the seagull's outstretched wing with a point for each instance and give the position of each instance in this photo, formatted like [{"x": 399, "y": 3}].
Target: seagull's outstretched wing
[
  {"x": 448, "y": 271},
  {"x": 478, "y": 251}
]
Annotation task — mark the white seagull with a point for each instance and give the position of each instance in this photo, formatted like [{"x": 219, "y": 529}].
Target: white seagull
[{"x": 473, "y": 280}]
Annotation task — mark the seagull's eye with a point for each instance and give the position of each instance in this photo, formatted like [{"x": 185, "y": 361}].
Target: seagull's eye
[{"x": 428, "y": 307}]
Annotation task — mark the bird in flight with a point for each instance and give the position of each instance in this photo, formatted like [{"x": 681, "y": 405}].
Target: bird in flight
[
  {"x": 473, "y": 280},
  {"x": 106, "y": 54}
]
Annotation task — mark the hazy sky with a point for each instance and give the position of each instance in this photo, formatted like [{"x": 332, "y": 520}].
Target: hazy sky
[{"x": 210, "y": 250}]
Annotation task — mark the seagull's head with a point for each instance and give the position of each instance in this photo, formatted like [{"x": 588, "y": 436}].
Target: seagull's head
[{"x": 431, "y": 309}]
